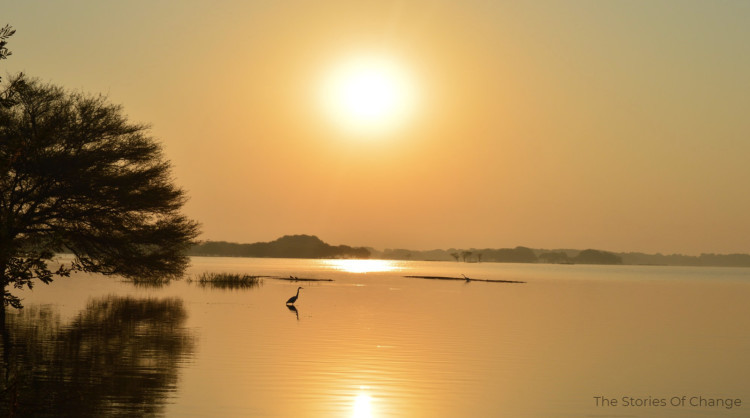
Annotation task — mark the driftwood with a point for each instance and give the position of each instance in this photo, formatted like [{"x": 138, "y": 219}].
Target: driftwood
[
  {"x": 463, "y": 279},
  {"x": 301, "y": 279}
]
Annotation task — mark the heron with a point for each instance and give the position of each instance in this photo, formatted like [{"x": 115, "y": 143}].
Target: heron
[{"x": 293, "y": 298}]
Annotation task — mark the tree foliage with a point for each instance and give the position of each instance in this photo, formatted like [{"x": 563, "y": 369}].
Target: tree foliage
[
  {"x": 5, "y": 32},
  {"x": 75, "y": 174}
]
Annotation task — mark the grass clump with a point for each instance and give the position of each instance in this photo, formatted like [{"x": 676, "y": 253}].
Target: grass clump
[{"x": 229, "y": 280}]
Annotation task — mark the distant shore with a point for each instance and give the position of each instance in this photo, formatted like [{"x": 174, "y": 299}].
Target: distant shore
[{"x": 310, "y": 246}]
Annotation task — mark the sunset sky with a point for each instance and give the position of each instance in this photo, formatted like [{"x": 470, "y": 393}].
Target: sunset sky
[{"x": 616, "y": 125}]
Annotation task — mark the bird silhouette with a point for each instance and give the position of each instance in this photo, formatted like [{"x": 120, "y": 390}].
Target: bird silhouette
[{"x": 293, "y": 298}]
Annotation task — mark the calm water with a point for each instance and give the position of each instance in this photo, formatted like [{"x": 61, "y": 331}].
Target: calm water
[{"x": 372, "y": 343}]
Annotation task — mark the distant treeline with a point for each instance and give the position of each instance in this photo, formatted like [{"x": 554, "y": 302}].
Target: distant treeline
[
  {"x": 719, "y": 260},
  {"x": 288, "y": 246},
  {"x": 566, "y": 256},
  {"x": 505, "y": 255},
  {"x": 310, "y": 246}
]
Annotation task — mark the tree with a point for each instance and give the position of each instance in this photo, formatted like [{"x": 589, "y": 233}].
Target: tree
[
  {"x": 76, "y": 175},
  {"x": 5, "y": 32}
]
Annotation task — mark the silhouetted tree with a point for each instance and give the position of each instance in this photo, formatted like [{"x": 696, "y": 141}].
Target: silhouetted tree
[
  {"x": 5, "y": 32},
  {"x": 75, "y": 174},
  {"x": 455, "y": 255}
]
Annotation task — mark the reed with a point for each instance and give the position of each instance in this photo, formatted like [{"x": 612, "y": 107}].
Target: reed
[{"x": 228, "y": 280}]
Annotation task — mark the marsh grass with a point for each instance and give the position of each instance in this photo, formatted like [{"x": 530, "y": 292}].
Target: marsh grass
[{"x": 229, "y": 280}]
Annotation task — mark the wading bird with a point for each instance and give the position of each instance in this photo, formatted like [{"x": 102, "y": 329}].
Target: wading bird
[{"x": 293, "y": 298}]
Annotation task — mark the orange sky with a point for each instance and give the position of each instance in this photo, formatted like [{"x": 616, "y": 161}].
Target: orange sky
[{"x": 615, "y": 125}]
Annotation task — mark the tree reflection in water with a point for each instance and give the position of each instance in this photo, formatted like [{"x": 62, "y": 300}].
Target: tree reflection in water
[{"x": 119, "y": 356}]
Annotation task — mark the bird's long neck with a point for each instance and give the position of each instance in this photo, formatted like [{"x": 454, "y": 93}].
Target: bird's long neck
[{"x": 297, "y": 292}]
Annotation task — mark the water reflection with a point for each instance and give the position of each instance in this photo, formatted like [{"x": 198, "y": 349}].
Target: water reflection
[
  {"x": 362, "y": 406},
  {"x": 119, "y": 356},
  {"x": 433, "y": 348},
  {"x": 363, "y": 266},
  {"x": 153, "y": 283},
  {"x": 294, "y": 310}
]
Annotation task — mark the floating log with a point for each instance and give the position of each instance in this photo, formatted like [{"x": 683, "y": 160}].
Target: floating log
[
  {"x": 464, "y": 279},
  {"x": 301, "y": 279}
]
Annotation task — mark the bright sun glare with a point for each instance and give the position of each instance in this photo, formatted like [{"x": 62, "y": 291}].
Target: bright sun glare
[
  {"x": 368, "y": 95},
  {"x": 363, "y": 266},
  {"x": 362, "y": 406}
]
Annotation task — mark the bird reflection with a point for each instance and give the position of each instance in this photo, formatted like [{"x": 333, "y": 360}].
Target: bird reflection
[{"x": 293, "y": 309}]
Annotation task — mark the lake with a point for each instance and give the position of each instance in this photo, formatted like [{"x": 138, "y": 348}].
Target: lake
[{"x": 572, "y": 341}]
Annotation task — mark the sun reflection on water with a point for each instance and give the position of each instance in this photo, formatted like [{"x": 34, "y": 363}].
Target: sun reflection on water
[
  {"x": 363, "y": 266},
  {"x": 362, "y": 406}
]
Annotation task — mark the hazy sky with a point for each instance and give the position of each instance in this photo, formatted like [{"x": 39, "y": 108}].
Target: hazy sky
[{"x": 617, "y": 125}]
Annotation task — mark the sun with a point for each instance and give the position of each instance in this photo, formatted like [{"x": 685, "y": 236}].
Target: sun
[{"x": 368, "y": 95}]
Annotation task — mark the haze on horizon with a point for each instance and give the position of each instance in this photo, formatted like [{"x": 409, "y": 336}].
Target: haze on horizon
[{"x": 614, "y": 125}]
